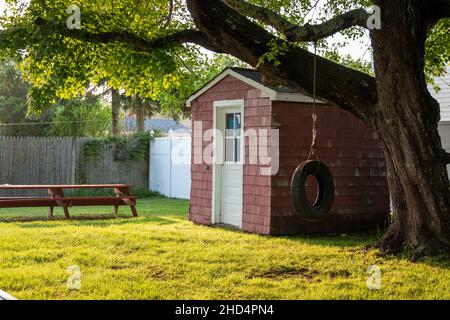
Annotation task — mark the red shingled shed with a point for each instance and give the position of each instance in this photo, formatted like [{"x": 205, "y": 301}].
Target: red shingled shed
[{"x": 239, "y": 191}]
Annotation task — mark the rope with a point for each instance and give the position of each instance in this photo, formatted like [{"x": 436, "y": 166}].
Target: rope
[{"x": 312, "y": 150}]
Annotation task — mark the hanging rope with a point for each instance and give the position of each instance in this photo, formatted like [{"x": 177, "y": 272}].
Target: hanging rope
[
  {"x": 325, "y": 191},
  {"x": 312, "y": 150}
]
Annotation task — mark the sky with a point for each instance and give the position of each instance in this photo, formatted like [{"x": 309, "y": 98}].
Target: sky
[{"x": 356, "y": 49}]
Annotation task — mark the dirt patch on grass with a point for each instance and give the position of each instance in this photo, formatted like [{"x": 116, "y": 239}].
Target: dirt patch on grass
[
  {"x": 278, "y": 273},
  {"x": 339, "y": 274},
  {"x": 157, "y": 274}
]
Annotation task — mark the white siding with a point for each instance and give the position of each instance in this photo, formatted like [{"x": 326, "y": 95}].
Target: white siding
[
  {"x": 443, "y": 96},
  {"x": 444, "y": 130}
]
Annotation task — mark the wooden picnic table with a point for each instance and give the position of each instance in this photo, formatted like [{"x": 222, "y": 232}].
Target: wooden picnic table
[{"x": 56, "y": 197}]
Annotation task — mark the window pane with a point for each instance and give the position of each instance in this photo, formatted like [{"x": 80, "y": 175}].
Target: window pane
[
  {"x": 238, "y": 121},
  {"x": 229, "y": 154},
  {"x": 229, "y": 132},
  {"x": 237, "y": 152},
  {"x": 229, "y": 124},
  {"x": 238, "y": 124}
]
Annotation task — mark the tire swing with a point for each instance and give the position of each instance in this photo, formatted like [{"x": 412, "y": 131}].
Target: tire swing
[{"x": 321, "y": 206}]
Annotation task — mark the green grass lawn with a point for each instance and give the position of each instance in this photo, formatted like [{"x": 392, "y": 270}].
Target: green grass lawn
[{"x": 162, "y": 255}]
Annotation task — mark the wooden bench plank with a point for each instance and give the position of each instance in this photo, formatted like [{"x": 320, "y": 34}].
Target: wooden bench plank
[
  {"x": 92, "y": 201},
  {"x": 27, "y": 203},
  {"x": 17, "y": 198},
  {"x": 71, "y": 201},
  {"x": 51, "y": 186}
]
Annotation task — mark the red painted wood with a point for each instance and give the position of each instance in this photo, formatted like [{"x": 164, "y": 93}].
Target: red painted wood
[
  {"x": 69, "y": 202},
  {"x": 81, "y": 186},
  {"x": 28, "y": 203}
]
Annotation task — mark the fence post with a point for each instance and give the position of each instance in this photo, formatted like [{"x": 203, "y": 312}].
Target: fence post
[
  {"x": 74, "y": 160},
  {"x": 170, "y": 162}
]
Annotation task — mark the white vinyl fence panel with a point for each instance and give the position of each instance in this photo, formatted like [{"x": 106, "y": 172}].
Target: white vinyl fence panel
[{"x": 170, "y": 166}]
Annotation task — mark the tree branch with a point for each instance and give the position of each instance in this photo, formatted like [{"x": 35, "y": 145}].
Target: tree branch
[
  {"x": 140, "y": 44},
  {"x": 308, "y": 32},
  {"x": 357, "y": 17},
  {"x": 234, "y": 34},
  {"x": 262, "y": 14},
  {"x": 168, "y": 19}
]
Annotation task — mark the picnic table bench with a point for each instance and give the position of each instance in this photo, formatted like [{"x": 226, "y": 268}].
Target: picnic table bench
[{"x": 56, "y": 197}]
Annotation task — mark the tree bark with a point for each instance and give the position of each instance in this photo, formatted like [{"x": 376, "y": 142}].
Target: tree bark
[
  {"x": 115, "y": 110},
  {"x": 407, "y": 119},
  {"x": 139, "y": 110}
]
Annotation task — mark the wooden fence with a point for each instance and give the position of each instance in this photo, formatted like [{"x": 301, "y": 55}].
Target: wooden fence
[{"x": 42, "y": 160}]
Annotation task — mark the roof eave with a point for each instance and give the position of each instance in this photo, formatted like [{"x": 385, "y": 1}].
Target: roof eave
[{"x": 266, "y": 92}]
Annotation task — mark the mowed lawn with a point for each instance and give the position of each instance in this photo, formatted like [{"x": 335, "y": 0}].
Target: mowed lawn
[{"x": 162, "y": 255}]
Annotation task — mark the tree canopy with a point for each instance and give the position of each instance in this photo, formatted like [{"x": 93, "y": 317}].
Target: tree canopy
[
  {"x": 60, "y": 65},
  {"x": 151, "y": 48},
  {"x": 14, "y": 117}
]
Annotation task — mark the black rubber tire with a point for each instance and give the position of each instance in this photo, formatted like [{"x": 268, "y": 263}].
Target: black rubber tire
[{"x": 325, "y": 195}]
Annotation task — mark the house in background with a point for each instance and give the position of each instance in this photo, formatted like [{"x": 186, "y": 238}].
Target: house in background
[
  {"x": 443, "y": 97},
  {"x": 237, "y": 193},
  {"x": 165, "y": 125}
]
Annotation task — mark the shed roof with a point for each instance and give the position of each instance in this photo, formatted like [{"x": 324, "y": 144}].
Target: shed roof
[
  {"x": 256, "y": 76},
  {"x": 254, "y": 79}
]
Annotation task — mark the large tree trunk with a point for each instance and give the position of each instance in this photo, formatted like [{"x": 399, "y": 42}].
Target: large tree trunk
[
  {"x": 406, "y": 119},
  {"x": 115, "y": 109}
]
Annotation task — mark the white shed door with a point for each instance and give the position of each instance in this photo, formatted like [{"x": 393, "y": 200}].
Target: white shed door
[{"x": 232, "y": 168}]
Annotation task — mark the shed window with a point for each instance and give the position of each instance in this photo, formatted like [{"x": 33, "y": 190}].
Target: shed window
[{"x": 233, "y": 137}]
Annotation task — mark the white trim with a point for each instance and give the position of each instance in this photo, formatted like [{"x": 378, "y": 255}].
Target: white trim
[
  {"x": 229, "y": 103},
  {"x": 214, "y": 212},
  {"x": 266, "y": 92},
  {"x": 216, "y": 179},
  {"x": 294, "y": 97}
]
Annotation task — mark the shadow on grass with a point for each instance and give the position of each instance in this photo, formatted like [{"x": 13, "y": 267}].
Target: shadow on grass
[
  {"x": 95, "y": 220},
  {"x": 348, "y": 240},
  {"x": 102, "y": 222},
  {"x": 342, "y": 240},
  {"x": 362, "y": 242}
]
